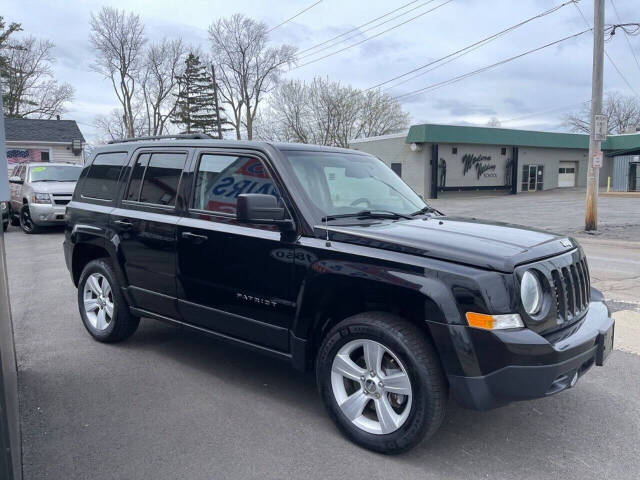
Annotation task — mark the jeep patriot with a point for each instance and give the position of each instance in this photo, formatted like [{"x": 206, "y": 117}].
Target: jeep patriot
[{"x": 323, "y": 257}]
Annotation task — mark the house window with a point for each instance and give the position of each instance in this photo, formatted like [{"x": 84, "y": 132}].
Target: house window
[
  {"x": 397, "y": 167},
  {"x": 454, "y": 150},
  {"x": 503, "y": 151},
  {"x": 44, "y": 156}
]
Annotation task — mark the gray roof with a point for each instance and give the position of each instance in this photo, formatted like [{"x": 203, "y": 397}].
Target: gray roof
[{"x": 35, "y": 130}]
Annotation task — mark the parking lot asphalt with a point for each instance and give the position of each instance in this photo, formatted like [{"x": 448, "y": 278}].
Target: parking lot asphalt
[{"x": 168, "y": 404}]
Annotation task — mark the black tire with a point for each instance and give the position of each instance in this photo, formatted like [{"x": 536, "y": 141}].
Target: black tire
[
  {"x": 26, "y": 222},
  {"x": 5, "y": 226},
  {"x": 13, "y": 218},
  {"x": 416, "y": 353},
  {"x": 123, "y": 324}
]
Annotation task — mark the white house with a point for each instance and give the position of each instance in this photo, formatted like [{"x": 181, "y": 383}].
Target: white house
[{"x": 34, "y": 140}]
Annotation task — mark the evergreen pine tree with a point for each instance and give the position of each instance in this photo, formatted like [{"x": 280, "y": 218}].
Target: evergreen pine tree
[{"x": 197, "y": 107}]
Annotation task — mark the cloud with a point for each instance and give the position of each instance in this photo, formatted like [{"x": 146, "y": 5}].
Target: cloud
[{"x": 550, "y": 78}]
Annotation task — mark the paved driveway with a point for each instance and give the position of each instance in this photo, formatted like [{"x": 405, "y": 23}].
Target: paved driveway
[{"x": 168, "y": 404}]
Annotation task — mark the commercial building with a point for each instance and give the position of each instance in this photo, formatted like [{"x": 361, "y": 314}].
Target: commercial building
[
  {"x": 35, "y": 140},
  {"x": 434, "y": 158}
]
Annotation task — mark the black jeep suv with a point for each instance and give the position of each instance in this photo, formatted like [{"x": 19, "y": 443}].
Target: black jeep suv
[{"x": 324, "y": 258}]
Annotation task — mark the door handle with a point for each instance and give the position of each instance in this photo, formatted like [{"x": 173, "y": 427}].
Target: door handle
[{"x": 194, "y": 236}]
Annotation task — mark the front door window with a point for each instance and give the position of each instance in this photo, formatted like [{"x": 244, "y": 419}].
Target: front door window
[{"x": 533, "y": 177}]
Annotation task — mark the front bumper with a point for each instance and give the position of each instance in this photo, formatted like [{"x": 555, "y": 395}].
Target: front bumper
[
  {"x": 47, "y": 213},
  {"x": 512, "y": 365}
]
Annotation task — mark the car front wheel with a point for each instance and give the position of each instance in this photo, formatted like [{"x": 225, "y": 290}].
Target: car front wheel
[
  {"x": 381, "y": 382},
  {"x": 26, "y": 222}
]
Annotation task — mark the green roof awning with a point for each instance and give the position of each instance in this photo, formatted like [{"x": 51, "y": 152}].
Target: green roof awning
[{"x": 433, "y": 133}]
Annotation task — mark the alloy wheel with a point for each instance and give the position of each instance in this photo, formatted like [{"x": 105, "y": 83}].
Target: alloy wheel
[
  {"x": 98, "y": 301},
  {"x": 371, "y": 386}
]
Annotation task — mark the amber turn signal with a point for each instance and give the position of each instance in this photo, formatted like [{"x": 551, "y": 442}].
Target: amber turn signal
[{"x": 494, "y": 322}]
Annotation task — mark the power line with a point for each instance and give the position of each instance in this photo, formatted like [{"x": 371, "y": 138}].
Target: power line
[
  {"x": 626, "y": 36},
  {"x": 467, "y": 49},
  {"x": 296, "y": 15},
  {"x": 374, "y": 36},
  {"x": 435, "y": 86},
  {"x": 607, "y": 54},
  {"x": 551, "y": 110},
  {"x": 358, "y": 27},
  {"x": 361, "y": 32}
]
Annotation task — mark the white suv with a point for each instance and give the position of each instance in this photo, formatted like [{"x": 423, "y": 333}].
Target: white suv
[{"x": 40, "y": 193}]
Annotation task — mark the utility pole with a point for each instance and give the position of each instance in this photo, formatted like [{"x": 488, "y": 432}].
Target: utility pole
[
  {"x": 215, "y": 101},
  {"x": 593, "y": 171}
]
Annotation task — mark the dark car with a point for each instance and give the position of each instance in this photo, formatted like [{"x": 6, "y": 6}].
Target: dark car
[
  {"x": 5, "y": 215},
  {"x": 325, "y": 258}
]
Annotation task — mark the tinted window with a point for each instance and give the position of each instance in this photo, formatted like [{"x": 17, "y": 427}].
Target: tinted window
[
  {"x": 102, "y": 178},
  {"x": 133, "y": 193},
  {"x": 160, "y": 183},
  {"x": 221, "y": 178}
]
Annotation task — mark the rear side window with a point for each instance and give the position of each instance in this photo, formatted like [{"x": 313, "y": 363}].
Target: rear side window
[
  {"x": 102, "y": 178},
  {"x": 155, "y": 178}
]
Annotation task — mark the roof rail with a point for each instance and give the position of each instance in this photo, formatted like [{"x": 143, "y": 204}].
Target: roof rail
[{"x": 179, "y": 136}]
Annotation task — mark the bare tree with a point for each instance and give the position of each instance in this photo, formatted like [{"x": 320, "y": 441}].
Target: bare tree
[
  {"x": 623, "y": 114},
  {"x": 113, "y": 127},
  {"x": 326, "y": 113},
  {"x": 118, "y": 40},
  {"x": 247, "y": 67},
  {"x": 29, "y": 87},
  {"x": 163, "y": 64},
  {"x": 494, "y": 122}
]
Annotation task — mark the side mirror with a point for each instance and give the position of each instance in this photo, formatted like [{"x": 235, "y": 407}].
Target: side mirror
[
  {"x": 15, "y": 180},
  {"x": 261, "y": 209}
]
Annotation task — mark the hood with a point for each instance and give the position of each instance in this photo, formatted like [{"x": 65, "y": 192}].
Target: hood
[
  {"x": 484, "y": 244},
  {"x": 54, "y": 187}
]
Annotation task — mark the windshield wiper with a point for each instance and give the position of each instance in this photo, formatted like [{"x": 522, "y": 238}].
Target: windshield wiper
[
  {"x": 427, "y": 209},
  {"x": 367, "y": 214}
]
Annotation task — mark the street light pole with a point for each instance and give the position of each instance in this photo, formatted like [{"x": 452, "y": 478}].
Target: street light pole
[{"x": 593, "y": 171}]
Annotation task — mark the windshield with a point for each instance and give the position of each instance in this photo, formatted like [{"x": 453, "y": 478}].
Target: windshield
[
  {"x": 343, "y": 183},
  {"x": 54, "y": 173}
]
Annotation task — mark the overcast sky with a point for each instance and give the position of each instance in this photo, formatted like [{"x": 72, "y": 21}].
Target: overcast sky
[{"x": 554, "y": 77}]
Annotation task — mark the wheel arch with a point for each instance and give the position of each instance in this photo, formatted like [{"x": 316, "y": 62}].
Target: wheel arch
[{"x": 327, "y": 299}]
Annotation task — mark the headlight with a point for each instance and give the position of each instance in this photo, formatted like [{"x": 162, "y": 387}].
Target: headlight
[
  {"x": 41, "y": 198},
  {"x": 531, "y": 292}
]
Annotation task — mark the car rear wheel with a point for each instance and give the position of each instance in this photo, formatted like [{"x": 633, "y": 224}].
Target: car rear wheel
[
  {"x": 14, "y": 218},
  {"x": 381, "y": 382},
  {"x": 104, "y": 310},
  {"x": 26, "y": 222}
]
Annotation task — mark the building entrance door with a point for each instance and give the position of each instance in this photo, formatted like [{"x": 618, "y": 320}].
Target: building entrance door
[{"x": 532, "y": 178}]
